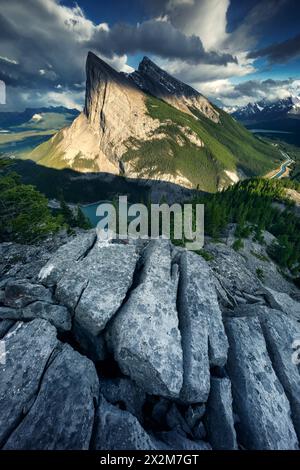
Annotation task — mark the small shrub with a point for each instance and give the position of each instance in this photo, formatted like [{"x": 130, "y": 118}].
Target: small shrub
[
  {"x": 238, "y": 245},
  {"x": 206, "y": 255}
]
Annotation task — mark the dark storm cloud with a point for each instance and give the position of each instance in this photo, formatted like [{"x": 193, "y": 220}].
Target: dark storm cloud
[
  {"x": 155, "y": 37},
  {"x": 50, "y": 42},
  {"x": 280, "y": 52},
  {"x": 254, "y": 87},
  {"x": 43, "y": 48}
]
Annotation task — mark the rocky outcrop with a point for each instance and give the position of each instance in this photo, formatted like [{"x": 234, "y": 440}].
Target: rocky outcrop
[
  {"x": 20, "y": 375},
  {"x": 122, "y": 391},
  {"x": 219, "y": 416},
  {"x": 232, "y": 271},
  {"x": 203, "y": 337},
  {"x": 119, "y": 430},
  {"x": 64, "y": 258},
  {"x": 58, "y": 315},
  {"x": 95, "y": 284},
  {"x": 62, "y": 415},
  {"x": 151, "y": 356},
  {"x": 146, "y": 362},
  {"x": 18, "y": 294},
  {"x": 283, "y": 302},
  {"x": 281, "y": 332},
  {"x": 263, "y": 409},
  {"x": 5, "y": 326}
]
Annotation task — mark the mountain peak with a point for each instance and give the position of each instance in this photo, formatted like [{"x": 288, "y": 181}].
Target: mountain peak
[
  {"x": 146, "y": 63},
  {"x": 146, "y": 60},
  {"x": 265, "y": 110},
  {"x": 157, "y": 82},
  {"x": 94, "y": 63},
  {"x": 99, "y": 75}
]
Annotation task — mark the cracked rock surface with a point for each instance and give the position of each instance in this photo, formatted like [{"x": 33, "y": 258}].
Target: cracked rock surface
[{"x": 141, "y": 345}]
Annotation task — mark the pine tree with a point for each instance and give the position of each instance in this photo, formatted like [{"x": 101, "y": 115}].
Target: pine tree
[
  {"x": 81, "y": 220},
  {"x": 66, "y": 212}
]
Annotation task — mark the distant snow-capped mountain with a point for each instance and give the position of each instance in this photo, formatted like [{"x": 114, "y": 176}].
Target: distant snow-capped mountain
[{"x": 267, "y": 110}]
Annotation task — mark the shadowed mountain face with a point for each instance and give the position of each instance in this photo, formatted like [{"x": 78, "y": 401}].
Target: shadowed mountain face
[
  {"x": 88, "y": 187},
  {"x": 150, "y": 125}
]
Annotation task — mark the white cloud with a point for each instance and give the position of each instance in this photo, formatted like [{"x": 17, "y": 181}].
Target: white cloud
[
  {"x": 202, "y": 75},
  {"x": 10, "y": 61},
  {"x": 208, "y": 20},
  {"x": 205, "y": 18},
  {"x": 58, "y": 40},
  {"x": 50, "y": 53},
  {"x": 250, "y": 91},
  {"x": 69, "y": 99}
]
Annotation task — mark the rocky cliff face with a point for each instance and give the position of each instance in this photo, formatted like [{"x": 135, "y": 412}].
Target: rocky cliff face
[
  {"x": 141, "y": 345},
  {"x": 114, "y": 112},
  {"x": 152, "y": 79},
  {"x": 115, "y": 119}
]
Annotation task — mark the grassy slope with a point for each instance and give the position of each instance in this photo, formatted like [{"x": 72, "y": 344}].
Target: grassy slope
[
  {"x": 46, "y": 154},
  {"x": 228, "y": 146}
]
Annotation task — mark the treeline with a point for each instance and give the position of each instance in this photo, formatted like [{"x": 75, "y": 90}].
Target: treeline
[
  {"x": 291, "y": 183},
  {"x": 251, "y": 204},
  {"x": 24, "y": 213},
  {"x": 26, "y": 218}
]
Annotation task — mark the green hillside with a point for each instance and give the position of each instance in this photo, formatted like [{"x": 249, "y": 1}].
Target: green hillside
[{"x": 228, "y": 146}]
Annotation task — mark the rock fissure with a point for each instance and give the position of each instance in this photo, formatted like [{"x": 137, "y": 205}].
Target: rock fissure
[{"x": 160, "y": 359}]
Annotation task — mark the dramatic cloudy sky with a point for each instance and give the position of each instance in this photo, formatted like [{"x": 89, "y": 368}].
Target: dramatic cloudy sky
[{"x": 233, "y": 51}]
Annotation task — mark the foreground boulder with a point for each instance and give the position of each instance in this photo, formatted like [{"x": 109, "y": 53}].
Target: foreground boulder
[
  {"x": 280, "y": 333},
  {"x": 144, "y": 336},
  {"x": 95, "y": 284},
  {"x": 28, "y": 347},
  {"x": 109, "y": 271},
  {"x": 219, "y": 415},
  {"x": 62, "y": 415},
  {"x": 5, "y": 326},
  {"x": 65, "y": 257},
  {"x": 119, "y": 430},
  {"x": 58, "y": 315},
  {"x": 283, "y": 302},
  {"x": 18, "y": 294},
  {"x": 124, "y": 392},
  {"x": 203, "y": 336},
  {"x": 260, "y": 401},
  {"x": 140, "y": 324},
  {"x": 232, "y": 271}
]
